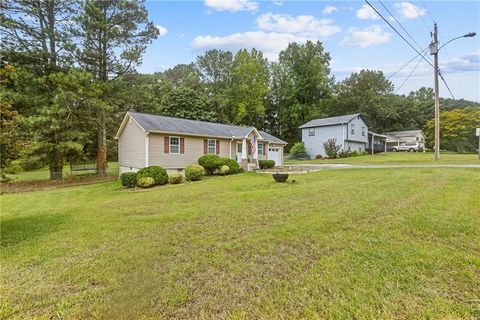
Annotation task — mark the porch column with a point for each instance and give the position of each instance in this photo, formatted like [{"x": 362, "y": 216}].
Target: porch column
[
  {"x": 373, "y": 142},
  {"x": 244, "y": 160},
  {"x": 244, "y": 148},
  {"x": 255, "y": 154}
]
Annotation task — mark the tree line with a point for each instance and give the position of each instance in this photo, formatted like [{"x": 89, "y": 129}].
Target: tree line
[{"x": 68, "y": 77}]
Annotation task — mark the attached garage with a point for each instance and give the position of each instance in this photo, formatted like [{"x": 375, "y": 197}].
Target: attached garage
[{"x": 275, "y": 153}]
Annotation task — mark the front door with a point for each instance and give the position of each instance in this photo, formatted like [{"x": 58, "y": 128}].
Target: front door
[{"x": 239, "y": 152}]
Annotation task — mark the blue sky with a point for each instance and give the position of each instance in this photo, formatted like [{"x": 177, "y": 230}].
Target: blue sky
[{"x": 354, "y": 35}]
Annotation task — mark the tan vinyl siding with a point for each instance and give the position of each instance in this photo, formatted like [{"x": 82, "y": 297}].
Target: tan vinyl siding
[
  {"x": 131, "y": 146},
  {"x": 193, "y": 151}
]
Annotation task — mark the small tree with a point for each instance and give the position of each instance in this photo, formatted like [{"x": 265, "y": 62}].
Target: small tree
[
  {"x": 298, "y": 151},
  {"x": 332, "y": 148}
]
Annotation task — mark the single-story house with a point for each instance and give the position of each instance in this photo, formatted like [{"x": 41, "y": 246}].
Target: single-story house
[
  {"x": 350, "y": 131},
  {"x": 398, "y": 138},
  {"x": 174, "y": 143}
]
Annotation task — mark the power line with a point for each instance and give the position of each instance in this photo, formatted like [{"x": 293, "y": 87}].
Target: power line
[
  {"x": 428, "y": 11},
  {"x": 409, "y": 75},
  {"x": 421, "y": 17},
  {"x": 401, "y": 36},
  {"x": 401, "y": 26},
  {"x": 406, "y": 64},
  {"x": 445, "y": 82}
]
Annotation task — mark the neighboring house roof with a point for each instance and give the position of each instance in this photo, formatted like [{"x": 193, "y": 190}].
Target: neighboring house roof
[
  {"x": 332, "y": 121},
  {"x": 155, "y": 123},
  {"x": 408, "y": 133},
  {"x": 377, "y": 134}
]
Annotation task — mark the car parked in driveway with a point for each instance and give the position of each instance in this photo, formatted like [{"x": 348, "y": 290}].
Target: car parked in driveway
[{"x": 410, "y": 147}]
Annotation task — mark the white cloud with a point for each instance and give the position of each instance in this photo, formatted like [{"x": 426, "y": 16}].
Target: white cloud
[
  {"x": 367, "y": 13},
  {"x": 408, "y": 10},
  {"x": 277, "y": 2},
  {"x": 365, "y": 37},
  {"x": 163, "y": 31},
  {"x": 232, "y": 5},
  {"x": 270, "y": 43},
  {"x": 329, "y": 9},
  {"x": 466, "y": 63},
  {"x": 303, "y": 25}
]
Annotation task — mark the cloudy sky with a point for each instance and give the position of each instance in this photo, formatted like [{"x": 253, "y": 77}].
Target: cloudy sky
[{"x": 353, "y": 33}]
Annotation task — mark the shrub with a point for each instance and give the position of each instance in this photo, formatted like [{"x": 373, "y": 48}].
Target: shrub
[
  {"x": 344, "y": 154},
  {"x": 298, "y": 151},
  {"x": 318, "y": 156},
  {"x": 233, "y": 165},
  {"x": 266, "y": 164},
  {"x": 175, "y": 178},
  {"x": 194, "y": 172},
  {"x": 13, "y": 167},
  {"x": 146, "y": 182},
  {"x": 129, "y": 179},
  {"x": 224, "y": 170},
  {"x": 210, "y": 162},
  {"x": 32, "y": 163},
  {"x": 157, "y": 173},
  {"x": 354, "y": 154},
  {"x": 332, "y": 148}
]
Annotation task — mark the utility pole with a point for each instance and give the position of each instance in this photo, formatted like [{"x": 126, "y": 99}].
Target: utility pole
[{"x": 434, "y": 52}]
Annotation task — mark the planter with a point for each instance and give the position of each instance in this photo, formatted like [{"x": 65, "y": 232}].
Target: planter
[{"x": 280, "y": 177}]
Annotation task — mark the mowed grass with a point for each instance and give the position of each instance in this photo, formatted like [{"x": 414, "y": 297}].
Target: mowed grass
[
  {"x": 44, "y": 174},
  {"x": 337, "y": 244},
  {"x": 399, "y": 158}
]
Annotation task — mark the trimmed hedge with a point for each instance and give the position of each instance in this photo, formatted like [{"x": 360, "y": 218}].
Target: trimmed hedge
[
  {"x": 266, "y": 164},
  {"x": 175, "y": 178},
  {"x": 210, "y": 162},
  {"x": 146, "y": 182},
  {"x": 233, "y": 165},
  {"x": 128, "y": 179},
  {"x": 194, "y": 172},
  {"x": 157, "y": 173}
]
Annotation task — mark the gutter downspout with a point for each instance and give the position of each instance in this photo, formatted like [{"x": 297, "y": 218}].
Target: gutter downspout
[{"x": 147, "y": 140}]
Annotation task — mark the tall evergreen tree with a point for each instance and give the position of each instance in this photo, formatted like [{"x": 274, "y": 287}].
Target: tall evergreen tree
[
  {"x": 113, "y": 37},
  {"x": 36, "y": 35}
]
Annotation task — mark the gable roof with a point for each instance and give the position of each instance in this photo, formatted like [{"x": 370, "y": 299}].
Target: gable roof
[
  {"x": 155, "y": 123},
  {"x": 332, "y": 121},
  {"x": 407, "y": 133}
]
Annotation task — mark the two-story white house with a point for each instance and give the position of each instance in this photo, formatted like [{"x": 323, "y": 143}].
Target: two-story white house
[{"x": 350, "y": 131}]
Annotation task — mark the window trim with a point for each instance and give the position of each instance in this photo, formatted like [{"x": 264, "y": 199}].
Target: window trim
[
  {"x": 310, "y": 132},
  {"x": 170, "y": 145},
  {"x": 208, "y": 146},
  {"x": 258, "y": 148}
]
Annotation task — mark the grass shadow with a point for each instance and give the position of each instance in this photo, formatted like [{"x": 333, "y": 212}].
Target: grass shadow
[{"x": 29, "y": 228}]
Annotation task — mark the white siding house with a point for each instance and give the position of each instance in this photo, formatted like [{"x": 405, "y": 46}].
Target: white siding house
[{"x": 350, "y": 131}]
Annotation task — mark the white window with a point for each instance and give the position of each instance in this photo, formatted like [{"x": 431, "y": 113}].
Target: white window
[
  {"x": 352, "y": 128},
  {"x": 363, "y": 131},
  {"x": 260, "y": 148},
  {"x": 239, "y": 148},
  {"x": 311, "y": 131},
  {"x": 212, "y": 146},
  {"x": 175, "y": 145}
]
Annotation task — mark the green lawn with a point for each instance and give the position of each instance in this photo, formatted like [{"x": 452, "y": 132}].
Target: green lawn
[
  {"x": 43, "y": 174},
  {"x": 399, "y": 158},
  {"x": 337, "y": 244}
]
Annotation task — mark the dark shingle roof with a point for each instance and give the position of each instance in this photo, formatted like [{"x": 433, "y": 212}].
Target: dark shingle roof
[
  {"x": 330, "y": 121},
  {"x": 150, "y": 122}
]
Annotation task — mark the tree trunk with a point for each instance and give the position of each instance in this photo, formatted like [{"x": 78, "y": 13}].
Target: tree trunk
[
  {"x": 102, "y": 145},
  {"x": 56, "y": 165}
]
